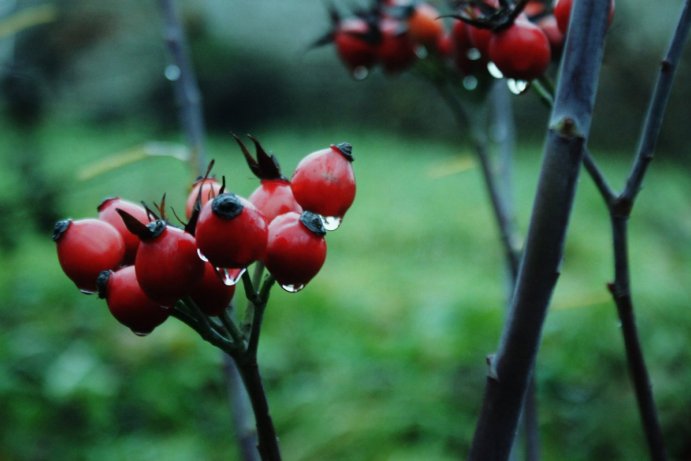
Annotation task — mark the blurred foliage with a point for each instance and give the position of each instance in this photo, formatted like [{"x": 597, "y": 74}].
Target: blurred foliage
[{"x": 382, "y": 355}]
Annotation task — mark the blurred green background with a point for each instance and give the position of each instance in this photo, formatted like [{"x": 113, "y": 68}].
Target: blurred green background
[{"x": 381, "y": 357}]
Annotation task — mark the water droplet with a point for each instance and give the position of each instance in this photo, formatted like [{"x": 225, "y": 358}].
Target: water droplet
[
  {"x": 421, "y": 52},
  {"x": 470, "y": 82},
  {"x": 360, "y": 73},
  {"x": 230, "y": 277},
  {"x": 292, "y": 288},
  {"x": 172, "y": 72},
  {"x": 474, "y": 54},
  {"x": 201, "y": 256},
  {"x": 494, "y": 70},
  {"x": 331, "y": 223},
  {"x": 141, "y": 333},
  {"x": 517, "y": 86},
  {"x": 87, "y": 292}
]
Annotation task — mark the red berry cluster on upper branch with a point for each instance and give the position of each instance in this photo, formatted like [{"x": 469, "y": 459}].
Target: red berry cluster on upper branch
[{"x": 517, "y": 38}]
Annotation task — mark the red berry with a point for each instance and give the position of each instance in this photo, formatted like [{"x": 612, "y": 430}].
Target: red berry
[
  {"x": 85, "y": 248},
  {"x": 210, "y": 188},
  {"x": 210, "y": 293},
  {"x": 296, "y": 249},
  {"x": 107, "y": 212},
  {"x": 396, "y": 51},
  {"x": 324, "y": 181},
  {"x": 167, "y": 263},
  {"x": 480, "y": 38},
  {"x": 354, "y": 43},
  {"x": 521, "y": 51},
  {"x": 424, "y": 25},
  {"x": 274, "y": 197},
  {"x": 562, "y": 13},
  {"x": 231, "y": 232},
  {"x": 128, "y": 303},
  {"x": 549, "y": 26}
]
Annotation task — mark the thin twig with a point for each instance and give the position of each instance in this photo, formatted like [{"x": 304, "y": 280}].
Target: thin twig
[
  {"x": 181, "y": 73},
  {"x": 500, "y": 210},
  {"x": 658, "y": 105}
]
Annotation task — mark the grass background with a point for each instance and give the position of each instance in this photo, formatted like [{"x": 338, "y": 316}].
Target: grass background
[{"x": 381, "y": 357}]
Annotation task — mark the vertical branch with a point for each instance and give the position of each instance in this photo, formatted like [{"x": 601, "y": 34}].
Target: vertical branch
[
  {"x": 510, "y": 368},
  {"x": 181, "y": 73},
  {"x": 620, "y": 207},
  {"x": 245, "y": 433},
  {"x": 500, "y": 208}
]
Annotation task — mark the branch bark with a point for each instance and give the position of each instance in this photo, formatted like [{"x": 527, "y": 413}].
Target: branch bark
[
  {"x": 620, "y": 208},
  {"x": 185, "y": 85},
  {"x": 510, "y": 368}
]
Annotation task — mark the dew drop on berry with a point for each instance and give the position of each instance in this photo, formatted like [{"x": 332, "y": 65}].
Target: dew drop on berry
[
  {"x": 172, "y": 72},
  {"x": 201, "y": 256},
  {"x": 360, "y": 73},
  {"x": 470, "y": 82},
  {"x": 421, "y": 52},
  {"x": 473, "y": 54},
  {"x": 331, "y": 223},
  {"x": 290, "y": 288},
  {"x": 494, "y": 70},
  {"x": 141, "y": 333},
  {"x": 230, "y": 277},
  {"x": 517, "y": 86}
]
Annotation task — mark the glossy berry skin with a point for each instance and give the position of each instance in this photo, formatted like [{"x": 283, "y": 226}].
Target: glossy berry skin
[
  {"x": 231, "y": 232},
  {"x": 107, "y": 212},
  {"x": 549, "y": 26},
  {"x": 396, "y": 51},
  {"x": 210, "y": 293},
  {"x": 296, "y": 249},
  {"x": 210, "y": 188},
  {"x": 354, "y": 45},
  {"x": 85, "y": 248},
  {"x": 324, "y": 181},
  {"x": 480, "y": 38},
  {"x": 562, "y": 13},
  {"x": 128, "y": 303},
  {"x": 167, "y": 264},
  {"x": 424, "y": 25},
  {"x": 521, "y": 51},
  {"x": 274, "y": 197}
]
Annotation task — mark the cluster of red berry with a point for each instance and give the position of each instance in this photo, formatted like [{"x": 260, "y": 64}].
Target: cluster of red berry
[
  {"x": 142, "y": 265},
  {"x": 397, "y": 33}
]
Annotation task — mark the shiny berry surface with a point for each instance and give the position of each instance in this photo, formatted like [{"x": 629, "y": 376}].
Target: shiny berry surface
[
  {"x": 107, "y": 212},
  {"x": 295, "y": 252},
  {"x": 324, "y": 181},
  {"x": 167, "y": 265},
  {"x": 128, "y": 303},
  {"x": 85, "y": 248},
  {"x": 231, "y": 232},
  {"x": 521, "y": 51}
]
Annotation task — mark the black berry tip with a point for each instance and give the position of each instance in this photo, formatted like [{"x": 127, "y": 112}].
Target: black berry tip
[
  {"x": 60, "y": 228},
  {"x": 135, "y": 226},
  {"x": 313, "y": 222},
  {"x": 102, "y": 283},
  {"x": 345, "y": 149},
  {"x": 227, "y": 205},
  {"x": 154, "y": 229}
]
